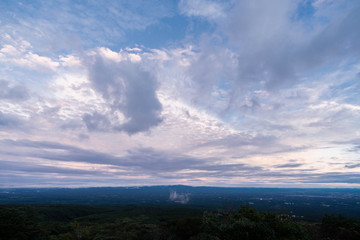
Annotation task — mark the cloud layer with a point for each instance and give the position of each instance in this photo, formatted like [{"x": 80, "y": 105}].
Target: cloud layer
[{"x": 205, "y": 92}]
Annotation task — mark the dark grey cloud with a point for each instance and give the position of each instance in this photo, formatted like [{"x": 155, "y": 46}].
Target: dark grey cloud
[
  {"x": 264, "y": 46},
  {"x": 292, "y": 164},
  {"x": 96, "y": 122},
  {"x": 36, "y": 144},
  {"x": 146, "y": 159},
  {"x": 289, "y": 165},
  {"x": 276, "y": 51},
  {"x": 222, "y": 168},
  {"x": 355, "y": 148},
  {"x": 354, "y": 142},
  {"x": 50, "y": 151},
  {"x": 259, "y": 50},
  {"x": 13, "y": 93},
  {"x": 11, "y": 179},
  {"x": 83, "y": 137},
  {"x": 17, "y": 180},
  {"x": 158, "y": 164},
  {"x": 340, "y": 38},
  {"x": 9, "y": 121},
  {"x": 50, "y": 111},
  {"x": 308, "y": 176},
  {"x": 333, "y": 177},
  {"x": 9, "y": 166},
  {"x": 128, "y": 88},
  {"x": 74, "y": 124},
  {"x": 356, "y": 165},
  {"x": 141, "y": 160},
  {"x": 158, "y": 161}
]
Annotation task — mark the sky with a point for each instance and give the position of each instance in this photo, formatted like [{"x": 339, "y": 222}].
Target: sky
[{"x": 233, "y": 93}]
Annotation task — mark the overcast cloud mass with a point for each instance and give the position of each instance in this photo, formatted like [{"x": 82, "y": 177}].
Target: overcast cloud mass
[{"x": 251, "y": 93}]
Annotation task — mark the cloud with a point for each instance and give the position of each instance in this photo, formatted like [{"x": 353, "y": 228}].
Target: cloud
[
  {"x": 289, "y": 165},
  {"x": 147, "y": 161},
  {"x": 96, "y": 122},
  {"x": 58, "y": 25},
  {"x": 356, "y": 165},
  {"x": 150, "y": 164},
  {"x": 37, "y": 62},
  {"x": 127, "y": 87},
  {"x": 238, "y": 140},
  {"x": 263, "y": 46},
  {"x": 144, "y": 160},
  {"x": 202, "y": 8},
  {"x": 246, "y": 145},
  {"x": 263, "y": 32},
  {"x": 334, "y": 177},
  {"x": 319, "y": 3},
  {"x": 354, "y": 143},
  {"x": 50, "y": 151},
  {"x": 252, "y": 85},
  {"x": 15, "y": 93},
  {"x": 27, "y": 167},
  {"x": 21, "y": 55},
  {"x": 9, "y": 121}
]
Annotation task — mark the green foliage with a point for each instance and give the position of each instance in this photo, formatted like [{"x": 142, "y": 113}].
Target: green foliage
[
  {"x": 340, "y": 227},
  {"x": 70, "y": 222},
  {"x": 183, "y": 228},
  {"x": 249, "y": 224},
  {"x": 19, "y": 223}
]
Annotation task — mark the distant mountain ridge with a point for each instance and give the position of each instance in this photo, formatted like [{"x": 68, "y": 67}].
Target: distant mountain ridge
[{"x": 300, "y": 203}]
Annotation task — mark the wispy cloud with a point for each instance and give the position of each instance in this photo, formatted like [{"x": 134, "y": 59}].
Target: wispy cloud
[{"x": 202, "y": 8}]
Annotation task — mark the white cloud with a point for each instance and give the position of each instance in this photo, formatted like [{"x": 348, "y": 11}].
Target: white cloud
[
  {"x": 37, "y": 62},
  {"x": 202, "y": 8},
  {"x": 9, "y": 50},
  {"x": 27, "y": 59},
  {"x": 70, "y": 61}
]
